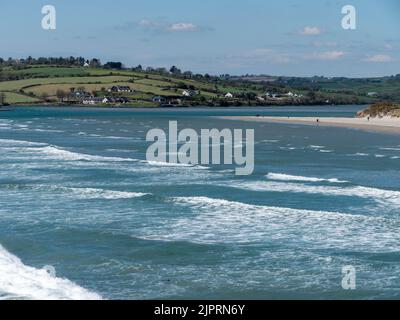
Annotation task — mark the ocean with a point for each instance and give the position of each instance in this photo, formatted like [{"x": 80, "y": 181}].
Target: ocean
[{"x": 83, "y": 215}]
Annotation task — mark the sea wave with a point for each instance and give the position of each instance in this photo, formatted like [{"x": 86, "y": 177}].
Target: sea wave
[
  {"x": 58, "y": 153},
  {"x": 170, "y": 164},
  {"x": 79, "y": 192},
  {"x": 381, "y": 196},
  {"x": 65, "y": 155},
  {"x": 287, "y": 177},
  {"x": 222, "y": 221},
  {"x": 21, "y": 143},
  {"x": 390, "y": 149},
  {"x": 92, "y": 193},
  {"x": 18, "y": 281}
]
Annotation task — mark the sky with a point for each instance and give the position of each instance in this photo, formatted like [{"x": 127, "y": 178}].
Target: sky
[{"x": 274, "y": 37}]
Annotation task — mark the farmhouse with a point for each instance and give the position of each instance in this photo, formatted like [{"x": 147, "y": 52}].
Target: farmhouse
[
  {"x": 120, "y": 89},
  {"x": 229, "y": 95},
  {"x": 189, "y": 93}
]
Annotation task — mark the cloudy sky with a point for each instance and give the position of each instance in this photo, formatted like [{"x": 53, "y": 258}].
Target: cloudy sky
[{"x": 278, "y": 37}]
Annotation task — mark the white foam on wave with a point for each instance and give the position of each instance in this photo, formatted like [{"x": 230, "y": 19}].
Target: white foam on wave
[
  {"x": 222, "y": 221},
  {"x": 390, "y": 149},
  {"x": 48, "y": 130},
  {"x": 326, "y": 151},
  {"x": 58, "y": 153},
  {"x": 18, "y": 281},
  {"x": 287, "y": 177},
  {"x": 81, "y": 193},
  {"x": 92, "y": 193},
  {"x": 20, "y": 143},
  {"x": 171, "y": 164},
  {"x": 381, "y": 196},
  {"x": 359, "y": 154},
  {"x": 62, "y": 154}
]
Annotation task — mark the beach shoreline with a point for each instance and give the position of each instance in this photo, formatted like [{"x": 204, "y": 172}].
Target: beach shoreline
[{"x": 382, "y": 125}]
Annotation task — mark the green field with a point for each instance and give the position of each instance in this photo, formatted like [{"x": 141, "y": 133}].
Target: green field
[
  {"x": 16, "y": 98},
  {"x": 41, "y": 83}
]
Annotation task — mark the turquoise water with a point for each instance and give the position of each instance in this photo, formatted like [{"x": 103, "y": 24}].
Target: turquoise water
[{"x": 76, "y": 194}]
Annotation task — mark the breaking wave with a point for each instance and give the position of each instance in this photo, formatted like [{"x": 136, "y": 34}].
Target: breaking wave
[
  {"x": 379, "y": 195},
  {"x": 287, "y": 177},
  {"x": 222, "y": 221},
  {"x": 62, "y": 154},
  {"x": 18, "y": 281},
  {"x": 80, "y": 193}
]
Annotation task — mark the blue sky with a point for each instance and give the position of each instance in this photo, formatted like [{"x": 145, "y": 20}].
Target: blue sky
[{"x": 278, "y": 37}]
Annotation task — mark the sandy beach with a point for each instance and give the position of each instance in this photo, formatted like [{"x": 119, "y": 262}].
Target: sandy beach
[{"x": 386, "y": 125}]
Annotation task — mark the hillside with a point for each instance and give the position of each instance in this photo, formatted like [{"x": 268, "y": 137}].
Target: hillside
[{"x": 112, "y": 84}]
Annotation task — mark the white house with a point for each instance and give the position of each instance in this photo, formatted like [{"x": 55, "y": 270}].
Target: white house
[
  {"x": 186, "y": 93},
  {"x": 229, "y": 95},
  {"x": 93, "y": 101},
  {"x": 290, "y": 94},
  {"x": 86, "y": 65}
]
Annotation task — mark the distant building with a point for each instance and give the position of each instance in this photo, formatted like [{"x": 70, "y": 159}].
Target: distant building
[
  {"x": 121, "y": 100},
  {"x": 229, "y": 95},
  {"x": 86, "y": 65},
  {"x": 95, "y": 100},
  {"x": 81, "y": 94},
  {"x": 120, "y": 89},
  {"x": 371, "y": 94},
  {"x": 159, "y": 99},
  {"x": 189, "y": 93}
]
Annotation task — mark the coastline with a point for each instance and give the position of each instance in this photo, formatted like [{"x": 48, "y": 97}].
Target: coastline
[{"x": 382, "y": 125}]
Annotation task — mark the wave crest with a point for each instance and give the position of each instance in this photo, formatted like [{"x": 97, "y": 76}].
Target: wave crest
[{"x": 18, "y": 281}]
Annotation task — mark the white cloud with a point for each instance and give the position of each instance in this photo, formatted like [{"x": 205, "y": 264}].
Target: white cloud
[
  {"x": 379, "y": 58},
  {"x": 163, "y": 26},
  {"x": 328, "y": 55},
  {"x": 310, "y": 31},
  {"x": 182, "y": 26}
]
